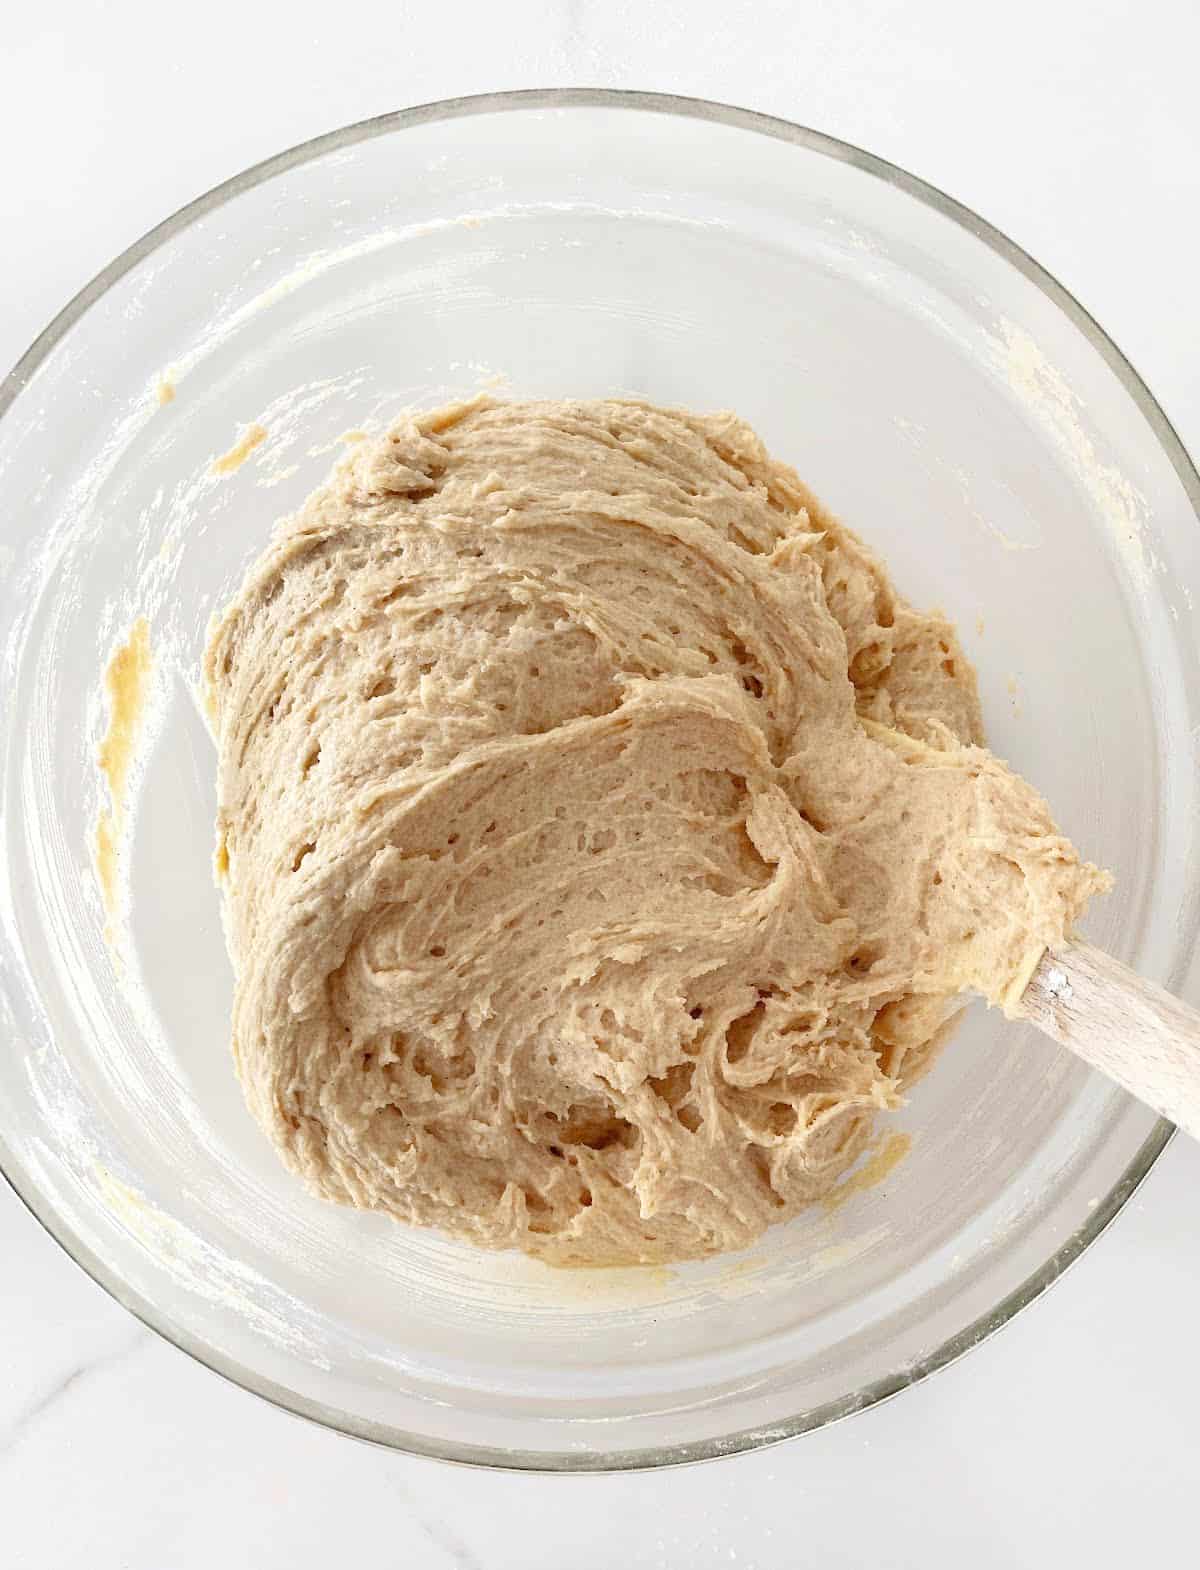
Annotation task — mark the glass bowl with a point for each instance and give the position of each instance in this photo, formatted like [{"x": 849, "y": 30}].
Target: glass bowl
[{"x": 931, "y": 383}]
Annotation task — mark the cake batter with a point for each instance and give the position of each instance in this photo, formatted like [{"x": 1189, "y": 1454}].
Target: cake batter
[{"x": 604, "y": 840}]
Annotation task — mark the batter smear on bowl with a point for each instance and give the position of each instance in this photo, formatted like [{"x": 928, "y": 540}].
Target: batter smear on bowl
[{"x": 604, "y": 840}]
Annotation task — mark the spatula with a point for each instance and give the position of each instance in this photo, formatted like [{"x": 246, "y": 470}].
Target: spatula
[{"x": 1140, "y": 1036}]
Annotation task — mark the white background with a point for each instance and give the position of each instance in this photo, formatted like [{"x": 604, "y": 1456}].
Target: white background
[{"x": 1071, "y": 1438}]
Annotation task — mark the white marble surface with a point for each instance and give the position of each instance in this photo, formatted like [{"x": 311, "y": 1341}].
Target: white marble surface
[{"x": 1070, "y": 1438}]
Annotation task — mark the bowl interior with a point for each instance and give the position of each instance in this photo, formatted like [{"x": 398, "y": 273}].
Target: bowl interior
[{"x": 926, "y": 385}]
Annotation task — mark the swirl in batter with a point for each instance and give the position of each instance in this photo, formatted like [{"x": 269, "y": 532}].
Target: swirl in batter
[{"x": 604, "y": 840}]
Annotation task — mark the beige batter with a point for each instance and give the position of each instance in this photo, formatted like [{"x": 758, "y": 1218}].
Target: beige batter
[{"x": 605, "y": 841}]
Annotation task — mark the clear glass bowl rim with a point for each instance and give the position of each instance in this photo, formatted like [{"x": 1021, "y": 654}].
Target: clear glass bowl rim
[{"x": 829, "y": 147}]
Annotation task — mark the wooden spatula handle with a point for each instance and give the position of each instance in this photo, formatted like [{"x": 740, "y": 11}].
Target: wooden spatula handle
[{"x": 1136, "y": 1033}]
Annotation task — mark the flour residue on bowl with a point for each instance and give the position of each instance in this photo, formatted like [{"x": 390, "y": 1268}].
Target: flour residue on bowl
[
  {"x": 126, "y": 686},
  {"x": 208, "y": 1272},
  {"x": 1048, "y": 396}
]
